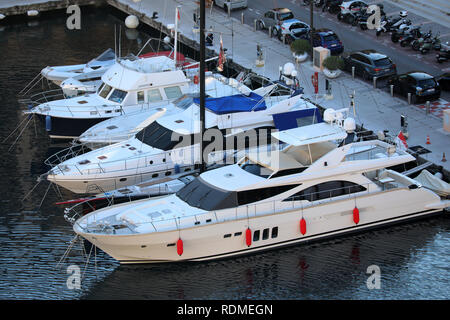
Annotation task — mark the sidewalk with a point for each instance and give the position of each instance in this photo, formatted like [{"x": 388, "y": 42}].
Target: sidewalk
[{"x": 375, "y": 108}]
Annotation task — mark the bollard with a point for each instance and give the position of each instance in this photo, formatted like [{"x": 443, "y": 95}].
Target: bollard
[
  {"x": 284, "y": 39},
  {"x": 409, "y": 97},
  {"x": 242, "y": 18},
  {"x": 229, "y": 10},
  {"x": 375, "y": 82},
  {"x": 270, "y": 32},
  {"x": 392, "y": 90},
  {"x": 353, "y": 72},
  {"x": 427, "y": 104},
  {"x": 254, "y": 25}
]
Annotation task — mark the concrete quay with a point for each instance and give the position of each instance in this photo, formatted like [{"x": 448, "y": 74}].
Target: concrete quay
[{"x": 18, "y": 7}]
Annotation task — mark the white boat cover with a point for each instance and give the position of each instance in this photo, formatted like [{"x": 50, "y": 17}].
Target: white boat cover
[{"x": 432, "y": 182}]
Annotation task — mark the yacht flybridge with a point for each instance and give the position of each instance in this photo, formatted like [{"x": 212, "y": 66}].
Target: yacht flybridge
[
  {"x": 130, "y": 85},
  {"x": 309, "y": 188},
  {"x": 170, "y": 144}
]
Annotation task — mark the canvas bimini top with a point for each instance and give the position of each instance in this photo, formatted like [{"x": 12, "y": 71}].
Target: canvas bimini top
[{"x": 234, "y": 103}]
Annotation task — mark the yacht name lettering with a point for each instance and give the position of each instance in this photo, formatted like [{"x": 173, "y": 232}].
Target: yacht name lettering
[{"x": 186, "y": 310}]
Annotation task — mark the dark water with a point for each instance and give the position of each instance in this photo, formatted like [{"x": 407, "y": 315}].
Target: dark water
[{"x": 413, "y": 258}]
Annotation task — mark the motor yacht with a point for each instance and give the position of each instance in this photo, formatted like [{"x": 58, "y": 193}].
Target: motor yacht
[
  {"x": 130, "y": 85},
  {"x": 310, "y": 187},
  {"x": 100, "y": 64},
  {"x": 125, "y": 126},
  {"x": 171, "y": 144}
]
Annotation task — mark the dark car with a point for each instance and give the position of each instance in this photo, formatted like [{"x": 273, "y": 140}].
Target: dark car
[
  {"x": 369, "y": 64},
  {"x": 328, "y": 39},
  {"x": 444, "y": 81},
  {"x": 421, "y": 85}
]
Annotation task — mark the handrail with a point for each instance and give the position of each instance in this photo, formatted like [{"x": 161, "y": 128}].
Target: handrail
[{"x": 243, "y": 212}]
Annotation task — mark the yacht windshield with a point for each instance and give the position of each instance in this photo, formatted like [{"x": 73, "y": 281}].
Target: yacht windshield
[
  {"x": 201, "y": 194},
  {"x": 105, "y": 91},
  {"x": 157, "y": 136},
  {"x": 184, "y": 102},
  {"x": 255, "y": 168},
  {"x": 117, "y": 95}
]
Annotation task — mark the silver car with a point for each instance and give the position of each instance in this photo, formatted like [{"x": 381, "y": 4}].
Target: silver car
[
  {"x": 273, "y": 18},
  {"x": 231, "y": 4}
]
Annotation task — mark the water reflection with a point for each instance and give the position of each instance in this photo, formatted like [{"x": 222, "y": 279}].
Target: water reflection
[{"x": 413, "y": 258}]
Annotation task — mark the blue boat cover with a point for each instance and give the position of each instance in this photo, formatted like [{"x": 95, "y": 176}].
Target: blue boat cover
[{"x": 235, "y": 103}]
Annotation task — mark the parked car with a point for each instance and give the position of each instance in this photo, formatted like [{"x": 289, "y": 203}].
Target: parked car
[
  {"x": 444, "y": 81},
  {"x": 232, "y": 4},
  {"x": 349, "y": 8},
  {"x": 421, "y": 85},
  {"x": 328, "y": 39},
  {"x": 274, "y": 17},
  {"x": 293, "y": 29},
  {"x": 369, "y": 64}
]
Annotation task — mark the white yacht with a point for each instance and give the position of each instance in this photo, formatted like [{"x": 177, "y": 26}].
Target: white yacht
[
  {"x": 125, "y": 126},
  {"x": 171, "y": 144},
  {"x": 130, "y": 85},
  {"x": 100, "y": 64},
  {"x": 308, "y": 189}
]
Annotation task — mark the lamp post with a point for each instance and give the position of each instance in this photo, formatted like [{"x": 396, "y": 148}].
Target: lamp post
[{"x": 202, "y": 81}]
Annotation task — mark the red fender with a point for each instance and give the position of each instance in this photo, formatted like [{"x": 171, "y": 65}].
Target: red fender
[
  {"x": 248, "y": 237},
  {"x": 180, "y": 247},
  {"x": 356, "y": 215},
  {"x": 303, "y": 226}
]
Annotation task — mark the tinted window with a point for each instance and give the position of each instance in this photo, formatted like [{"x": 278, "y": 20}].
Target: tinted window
[
  {"x": 256, "y": 235},
  {"x": 265, "y": 235},
  {"x": 105, "y": 91},
  {"x": 326, "y": 190},
  {"x": 330, "y": 37},
  {"x": 154, "y": 95},
  {"x": 201, "y": 194},
  {"x": 274, "y": 232},
  {"x": 117, "y": 95},
  {"x": 160, "y": 137},
  {"x": 426, "y": 83},
  {"x": 250, "y": 196},
  {"x": 285, "y": 16},
  {"x": 140, "y": 97},
  {"x": 382, "y": 62},
  {"x": 173, "y": 92}
]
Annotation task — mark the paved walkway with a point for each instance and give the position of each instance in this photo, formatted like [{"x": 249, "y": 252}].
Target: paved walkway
[{"x": 375, "y": 108}]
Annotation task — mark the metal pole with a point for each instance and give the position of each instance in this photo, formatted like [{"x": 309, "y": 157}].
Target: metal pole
[
  {"x": 311, "y": 20},
  {"x": 409, "y": 97},
  {"x": 242, "y": 18},
  {"x": 202, "y": 80},
  {"x": 427, "y": 104},
  {"x": 353, "y": 72},
  {"x": 254, "y": 25},
  {"x": 375, "y": 82},
  {"x": 229, "y": 10},
  {"x": 392, "y": 90}
]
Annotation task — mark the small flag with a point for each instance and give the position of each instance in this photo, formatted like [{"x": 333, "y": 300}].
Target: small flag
[
  {"x": 178, "y": 14},
  {"x": 400, "y": 141},
  {"x": 222, "y": 58}
]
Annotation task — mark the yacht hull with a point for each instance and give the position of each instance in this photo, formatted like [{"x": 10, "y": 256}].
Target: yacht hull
[
  {"x": 227, "y": 238},
  {"x": 68, "y": 128}
]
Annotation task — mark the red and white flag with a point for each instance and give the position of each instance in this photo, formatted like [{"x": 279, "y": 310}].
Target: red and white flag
[
  {"x": 400, "y": 141},
  {"x": 178, "y": 14},
  {"x": 222, "y": 58}
]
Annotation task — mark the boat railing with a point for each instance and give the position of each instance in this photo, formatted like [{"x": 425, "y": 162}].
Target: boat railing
[
  {"x": 46, "y": 96},
  {"x": 132, "y": 164},
  {"x": 65, "y": 154},
  {"x": 262, "y": 208}
]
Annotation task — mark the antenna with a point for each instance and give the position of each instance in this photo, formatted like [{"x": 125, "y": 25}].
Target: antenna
[{"x": 115, "y": 41}]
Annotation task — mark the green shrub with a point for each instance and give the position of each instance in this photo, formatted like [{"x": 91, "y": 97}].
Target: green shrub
[
  {"x": 300, "y": 46},
  {"x": 333, "y": 63}
]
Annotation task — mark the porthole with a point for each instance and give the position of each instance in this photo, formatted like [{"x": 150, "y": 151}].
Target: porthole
[
  {"x": 265, "y": 234},
  {"x": 155, "y": 175},
  {"x": 122, "y": 179},
  {"x": 274, "y": 232},
  {"x": 227, "y": 235},
  {"x": 168, "y": 173}
]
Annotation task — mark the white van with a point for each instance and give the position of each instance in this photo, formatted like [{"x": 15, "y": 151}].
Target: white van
[{"x": 232, "y": 4}]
